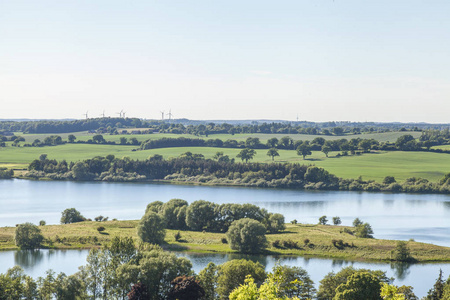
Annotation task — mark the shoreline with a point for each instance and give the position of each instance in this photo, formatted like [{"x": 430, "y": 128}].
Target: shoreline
[{"x": 321, "y": 244}]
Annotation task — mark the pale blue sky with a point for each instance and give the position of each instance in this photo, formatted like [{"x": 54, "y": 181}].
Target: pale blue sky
[{"x": 322, "y": 59}]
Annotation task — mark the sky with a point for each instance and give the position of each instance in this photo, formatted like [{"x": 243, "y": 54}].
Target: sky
[{"x": 320, "y": 60}]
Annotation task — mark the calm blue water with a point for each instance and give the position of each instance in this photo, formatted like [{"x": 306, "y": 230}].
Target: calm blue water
[
  {"x": 425, "y": 218},
  {"x": 420, "y": 276}
]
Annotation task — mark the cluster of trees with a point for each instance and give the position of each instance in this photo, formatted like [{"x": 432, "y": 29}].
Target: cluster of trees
[
  {"x": 204, "y": 215},
  {"x": 122, "y": 270}
]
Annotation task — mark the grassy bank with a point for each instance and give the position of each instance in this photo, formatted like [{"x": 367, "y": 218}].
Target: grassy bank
[{"x": 85, "y": 235}]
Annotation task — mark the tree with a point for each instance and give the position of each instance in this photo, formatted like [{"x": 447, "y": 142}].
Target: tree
[
  {"x": 286, "y": 142},
  {"x": 208, "y": 280},
  {"x": 328, "y": 285},
  {"x": 81, "y": 171},
  {"x": 247, "y": 236},
  {"x": 123, "y": 140},
  {"x": 98, "y": 138},
  {"x": 233, "y": 273},
  {"x": 326, "y": 149},
  {"x": 154, "y": 206},
  {"x": 388, "y": 180},
  {"x": 390, "y": 292},
  {"x": 185, "y": 288},
  {"x": 337, "y": 221},
  {"x": 272, "y": 142},
  {"x": 71, "y": 215},
  {"x": 364, "y": 231},
  {"x": 71, "y": 138},
  {"x": 272, "y": 153},
  {"x": 275, "y": 223},
  {"x": 402, "y": 252},
  {"x": 323, "y": 220},
  {"x": 200, "y": 215},
  {"x": 437, "y": 291},
  {"x": 293, "y": 282},
  {"x": 151, "y": 228},
  {"x": 246, "y": 154},
  {"x": 357, "y": 222},
  {"x": 28, "y": 236},
  {"x": 304, "y": 149},
  {"x": 361, "y": 285},
  {"x": 174, "y": 213}
]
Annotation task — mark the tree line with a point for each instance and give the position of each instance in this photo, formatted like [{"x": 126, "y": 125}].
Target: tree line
[
  {"x": 124, "y": 270},
  {"x": 222, "y": 170}
]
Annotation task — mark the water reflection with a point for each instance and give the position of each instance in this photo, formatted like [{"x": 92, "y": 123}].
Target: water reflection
[
  {"x": 28, "y": 258},
  {"x": 401, "y": 270}
]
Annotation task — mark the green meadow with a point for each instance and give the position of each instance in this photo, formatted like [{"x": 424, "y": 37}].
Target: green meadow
[
  {"x": 371, "y": 166},
  {"x": 84, "y": 136}
]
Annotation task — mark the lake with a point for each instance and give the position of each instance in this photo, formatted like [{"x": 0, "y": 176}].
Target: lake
[
  {"x": 420, "y": 276},
  {"x": 422, "y": 217}
]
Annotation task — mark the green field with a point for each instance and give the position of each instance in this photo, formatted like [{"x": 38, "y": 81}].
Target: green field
[
  {"x": 84, "y": 136},
  {"x": 85, "y": 235},
  {"x": 371, "y": 166}
]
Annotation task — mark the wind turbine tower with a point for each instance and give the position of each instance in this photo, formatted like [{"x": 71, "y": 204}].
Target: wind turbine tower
[
  {"x": 162, "y": 115},
  {"x": 86, "y": 115},
  {"x": 170, "y": 114}
]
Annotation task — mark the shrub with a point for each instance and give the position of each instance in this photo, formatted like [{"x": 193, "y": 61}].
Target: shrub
[
  {"x": 42, "y": 223},
  {"x": 28, "y": 236},
  {"x": 247, "y": 236},
  {"x": 323, "y": 220},
  {"x": 402, "y": 252},
  {"x": 71, "y": 215},
  {"x": 276, "y": 244},
  {"x": 294, "y": 221},
  {"x": 100, "y": 228},
  {"x": 224, "y": 241},
  {"x": 177, "y": 236},
  {"x": 306, "y": 241}
]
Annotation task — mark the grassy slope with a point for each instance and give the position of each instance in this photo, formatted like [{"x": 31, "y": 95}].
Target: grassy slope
[{"x": 320, "y": 237}]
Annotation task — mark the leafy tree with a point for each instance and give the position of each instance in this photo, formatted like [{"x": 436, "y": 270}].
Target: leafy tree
[
  {"x": 71, "y": 138},
  {"x": 361, "y": 285},
  {"x": 28, "y": 236},
  {"x": 357, "y": 222},
  {"x": 286, "y": 142},
  {"x": 71, "y": 215},
  {"x": 81, "y": 171},
  {"x": 247, "y": 236},
  {"x": 246, "y": 154},
  {"x": 337, "y": 221},
  {"x": 151, "y": 228},
  {"x": 364, "y": 231},
  {"x": 389, "y": 180},
  {"x": 407, "y": 291},
  {"x": 123, "y": 140},
  {"x": 185, "y": 288},
  {"x": 293, "y": 282},
  {"x": 275, "y": 223},
  {"x": 138, "y": 292},
  {"x": 233, "y": 273},
  {"x": 272, "y": 142},
  {"x": 174, "y": 213},
  {"x": 208, "y": 280},
  {"x": 98, "y": 138},
  {"x": 402, "y": 252},
  {"x": 272, "y": 153},
  {"x": 328, "y": 285},
  {"x": 200, "y": 215},
  {"x": 323, "y": 220},
  {"x": 304, "y": 149},
  {"x": 154, "y": 206},
  {"x": 390, "y": 292},
  {"x": 326, "y": 149}
]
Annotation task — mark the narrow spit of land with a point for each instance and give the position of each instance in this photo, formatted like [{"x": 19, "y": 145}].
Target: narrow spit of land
[{"x": 311, "y": 240}]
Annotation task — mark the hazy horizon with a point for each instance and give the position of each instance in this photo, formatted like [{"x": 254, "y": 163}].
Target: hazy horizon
[{"x": 321, "y": 60}]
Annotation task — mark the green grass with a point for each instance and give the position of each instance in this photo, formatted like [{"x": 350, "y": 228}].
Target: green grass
[
  {"x": 371, "y": 166},
  {"x": 85, "y": 235},
  {"x": 443, "y": 147},
  {"x": 84, "y": 136}
]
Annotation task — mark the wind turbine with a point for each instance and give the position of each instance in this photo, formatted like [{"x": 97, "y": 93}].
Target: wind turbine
[
  {"x": 162, "y": 115},
  {"x": 103, "y": 114},
  {"x": 86, "y": 114},
  {"x": 170, "y": 114},
  {"x": 123, "y": 114}
]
